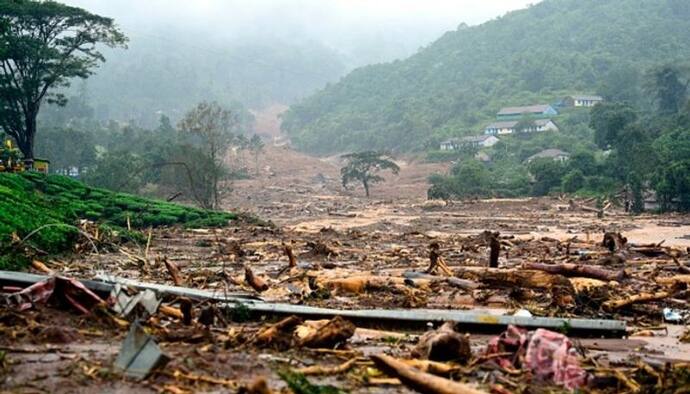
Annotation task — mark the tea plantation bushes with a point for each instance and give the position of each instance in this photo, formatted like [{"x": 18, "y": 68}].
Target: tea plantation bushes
[{"x": 29, "y": 201}]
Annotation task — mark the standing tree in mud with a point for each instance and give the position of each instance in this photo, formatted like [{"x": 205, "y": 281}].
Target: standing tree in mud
[
  {"x": 43, "y": 45},
  {"x": 363, "y": 167},
  {"x": 212, "y": 127}
]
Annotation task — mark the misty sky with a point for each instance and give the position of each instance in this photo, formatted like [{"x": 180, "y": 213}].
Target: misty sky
[{"x": 332, "y": 21}]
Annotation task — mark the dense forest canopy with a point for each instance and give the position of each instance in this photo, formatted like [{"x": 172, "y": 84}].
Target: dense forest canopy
[{"x": 457, "y": 84}]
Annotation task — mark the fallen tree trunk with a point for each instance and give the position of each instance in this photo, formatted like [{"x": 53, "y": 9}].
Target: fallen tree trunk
[
  {"x": 673, "y": 280},
  {"x": 561, "y": 289},
  {"x": 361, "y": 284},
  {"x": 575, "y": 270},
  {"x": 421, "y": 381},
  {"x": 279, "y": 333},
  {"x": 337, "y": 330},
  {"x": 613, "y": 305}
]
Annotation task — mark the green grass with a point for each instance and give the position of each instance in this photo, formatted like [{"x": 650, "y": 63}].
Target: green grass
[{"x": 31, "y": 200}]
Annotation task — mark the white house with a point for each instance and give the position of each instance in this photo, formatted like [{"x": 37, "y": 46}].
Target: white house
[
  {"x": 478, "y": 141},
  {"x": 582, "y": 101},
  {"x": 509, "y": 127}
]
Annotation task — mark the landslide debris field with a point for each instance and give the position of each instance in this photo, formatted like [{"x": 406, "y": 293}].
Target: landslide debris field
[{"x": 238, "y": 316}]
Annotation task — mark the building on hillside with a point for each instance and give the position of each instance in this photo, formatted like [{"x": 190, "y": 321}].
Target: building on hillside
[
  {"x": 510, "y": 127},
  {"x": 582, "y": 101},
  {"x": 477, "y": 142},
  {"x": 554, "y": 154},
  {"x": 540, "y": 110}
]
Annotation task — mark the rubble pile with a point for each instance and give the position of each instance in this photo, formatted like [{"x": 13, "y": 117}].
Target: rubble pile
[{"x": 259, "y": 309}]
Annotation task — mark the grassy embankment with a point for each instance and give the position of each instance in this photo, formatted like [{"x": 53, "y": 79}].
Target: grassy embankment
[{"x": 29, "y": 201}]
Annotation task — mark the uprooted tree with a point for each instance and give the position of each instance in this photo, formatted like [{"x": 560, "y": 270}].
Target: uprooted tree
[
  {"x": 212, "y": 127},
  {"x": 43, "y": 45},
  {"x": 363, "y": 167}
]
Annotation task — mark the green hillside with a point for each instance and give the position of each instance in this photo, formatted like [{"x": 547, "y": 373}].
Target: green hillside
[
  {"x": 29, "y": 201},
  {"x": 456, "y": 85}
]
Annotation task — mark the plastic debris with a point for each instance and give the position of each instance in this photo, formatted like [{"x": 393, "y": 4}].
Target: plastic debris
[
  {"x": 139, "y": 354},
  {"x": 548, "y": 355},
  {"x": 675, "y": 315}
]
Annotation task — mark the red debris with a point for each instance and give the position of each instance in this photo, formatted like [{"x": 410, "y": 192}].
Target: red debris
[
  {"x": 548, "y": 355},
  {"x": 69, "y": 290},
  {"x": 551, "y": 356}
]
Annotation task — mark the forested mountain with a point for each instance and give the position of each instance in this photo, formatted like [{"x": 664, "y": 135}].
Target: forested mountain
[{"x": 530, "y": 56}]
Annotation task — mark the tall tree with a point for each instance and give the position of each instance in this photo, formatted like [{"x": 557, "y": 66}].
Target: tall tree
[
  {"x": 669, "y": 89},
  {"x": 43, "y": 45},
  {"x": 213, "y": 126},
  {"x": 256, "y": 146},
  {"x": 363, "y": 167},
  {"x": 608, "y": 120}
]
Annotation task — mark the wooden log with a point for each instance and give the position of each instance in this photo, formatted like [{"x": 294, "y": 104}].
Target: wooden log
[
  {"x": 337, "y": 330},
  {"x": 650, "y": 251},
  {"x": 613, "y": 305},
  {"x": 277, "y": 334},
  {"x": 494, "y": 250},
  {"x": 171, "y": 311},
  {"x": 256, "y": 282},
  {"x": 669, "y": 281},
  {"x": 421, "y": 381},
  {"x": 575, "y": 270},
  {"x": 681, "y": 267},
  {"x": 187, "y": 311},
  {"x": 174, "y": 272},
  {"x": 361, "y": 284},
  {"x": 443, "y": 344},
  {"x": 561, "y": 289},
  {"x": 292, "y": 261},
  {"x": 320, "y": 370}
]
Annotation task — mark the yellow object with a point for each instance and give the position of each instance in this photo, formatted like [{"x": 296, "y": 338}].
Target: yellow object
[{"x": 41, "y": 165}]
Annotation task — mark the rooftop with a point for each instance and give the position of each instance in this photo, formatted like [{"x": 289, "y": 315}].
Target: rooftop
[
  {"x": 585, "y": 97},
  {"x": 509, "y": 124},
  {"x": 530, "y": 109}
]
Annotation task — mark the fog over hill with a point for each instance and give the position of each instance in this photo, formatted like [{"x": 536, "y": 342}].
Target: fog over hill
[{"x": 255, "y": 53}]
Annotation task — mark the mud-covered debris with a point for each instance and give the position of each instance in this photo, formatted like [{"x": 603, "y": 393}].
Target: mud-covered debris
[
  {"x": 575, "y": 270},
  {"x": 278, "y": 335},
  {"x": 255, "y": 281},
  {"x": 258, "y": 386},
  {"x": 421, "y": 381},
  {"x": 320, "y": 249},
  {"x": 336, "y": 331},
  {"x": 436, "y": 262},
  {"x": 614, "y": 242},
  {"x": 174, "y": 272},
  {"x": 444, "y": 344}
]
